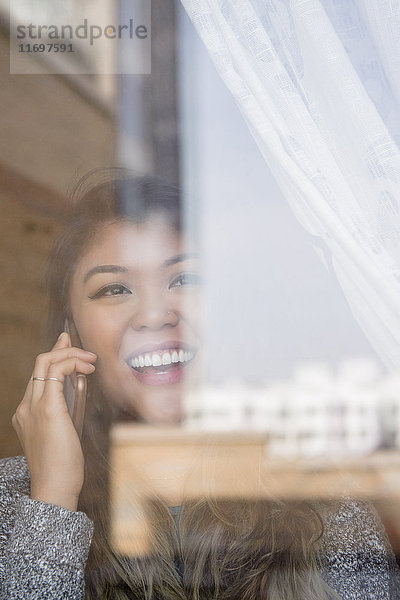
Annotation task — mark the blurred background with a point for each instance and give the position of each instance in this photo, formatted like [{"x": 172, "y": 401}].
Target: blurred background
[{"x": 284, "y": 353}]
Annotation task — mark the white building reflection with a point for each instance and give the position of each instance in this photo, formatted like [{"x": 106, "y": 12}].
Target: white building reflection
[{"x": 350, "y": 410}]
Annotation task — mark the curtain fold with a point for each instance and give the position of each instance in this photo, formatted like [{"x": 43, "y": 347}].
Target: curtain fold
[{"x": 318, "y": 83}]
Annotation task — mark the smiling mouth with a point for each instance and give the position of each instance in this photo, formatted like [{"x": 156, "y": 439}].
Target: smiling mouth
[{"x": 161, "y": 362}]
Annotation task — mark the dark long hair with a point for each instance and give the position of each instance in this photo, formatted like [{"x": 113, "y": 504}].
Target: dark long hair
[{"x": 230, "y": 550}]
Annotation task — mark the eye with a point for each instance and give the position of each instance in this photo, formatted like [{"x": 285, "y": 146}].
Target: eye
[
  {"x": 113, "y": 289},
  {"x": 185, "y": 279}
]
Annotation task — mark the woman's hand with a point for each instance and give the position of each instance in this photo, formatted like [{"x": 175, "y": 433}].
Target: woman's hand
[{"x": 44, "y": 427}]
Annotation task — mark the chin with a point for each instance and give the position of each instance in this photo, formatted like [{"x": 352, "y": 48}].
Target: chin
[
  {"x": 163, "y": 415},
  {"x": 155, "y": 407}
]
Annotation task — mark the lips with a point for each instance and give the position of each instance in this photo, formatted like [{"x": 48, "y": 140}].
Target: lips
[{"x": 161, "y": 364}]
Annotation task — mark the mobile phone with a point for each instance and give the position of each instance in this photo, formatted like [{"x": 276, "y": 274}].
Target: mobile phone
[{"x": 75, "y": 386}]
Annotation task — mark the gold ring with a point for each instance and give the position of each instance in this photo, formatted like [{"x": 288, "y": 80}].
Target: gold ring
[{"x": 38, "y": 378}]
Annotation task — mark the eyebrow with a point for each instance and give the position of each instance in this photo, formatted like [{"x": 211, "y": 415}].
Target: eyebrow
[
  {"x": 104, "y": 269},
  {"x": 118, "y": 269},
  {"x": 179, "y": 258}
]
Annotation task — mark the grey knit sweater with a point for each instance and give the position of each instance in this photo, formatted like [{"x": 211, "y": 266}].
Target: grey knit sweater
[{"x": 44, "y": 548}]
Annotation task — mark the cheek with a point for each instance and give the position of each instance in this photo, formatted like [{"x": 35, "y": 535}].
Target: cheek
[{"x": 99, "y": 333}]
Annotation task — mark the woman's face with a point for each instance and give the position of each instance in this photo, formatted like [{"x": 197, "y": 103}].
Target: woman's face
[{"x": 134, "y": 300}]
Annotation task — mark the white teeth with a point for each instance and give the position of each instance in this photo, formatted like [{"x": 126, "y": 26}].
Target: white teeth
[
  {"x": 156, "y": 360},
  {"x": 166, "y": 358}
]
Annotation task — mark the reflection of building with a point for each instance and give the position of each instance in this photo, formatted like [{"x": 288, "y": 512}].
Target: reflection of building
[
  {"x": 51, "y": 132},
  {"x": 316, "y": 413},
  {"x": 69, "y": 14},
  {"x": 55, "y": 128}
]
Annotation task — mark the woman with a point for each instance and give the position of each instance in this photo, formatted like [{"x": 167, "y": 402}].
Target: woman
[{"x": 121, "y": 277}]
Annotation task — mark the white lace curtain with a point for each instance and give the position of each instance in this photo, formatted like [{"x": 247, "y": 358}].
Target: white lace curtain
[{"x": 318, "y": 83}]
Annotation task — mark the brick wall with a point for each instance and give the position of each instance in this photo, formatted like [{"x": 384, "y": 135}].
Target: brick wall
[
  {"x": 26, "y": 236},
  {"x": 50, "y": 133}
]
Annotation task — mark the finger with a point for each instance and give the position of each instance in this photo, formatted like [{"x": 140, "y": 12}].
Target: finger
[
  {"x": 41, "y": 364},
  {"x": 43, "y": 361},
  {"x": 63, "y": 341},
  {"x": 57, "y": 372},
  {"x": 62, "y": 368},
  {"x": 36, "y": 389}
]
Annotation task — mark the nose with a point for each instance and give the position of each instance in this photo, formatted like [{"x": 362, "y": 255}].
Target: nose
[{"x": 154, "y": 313}]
